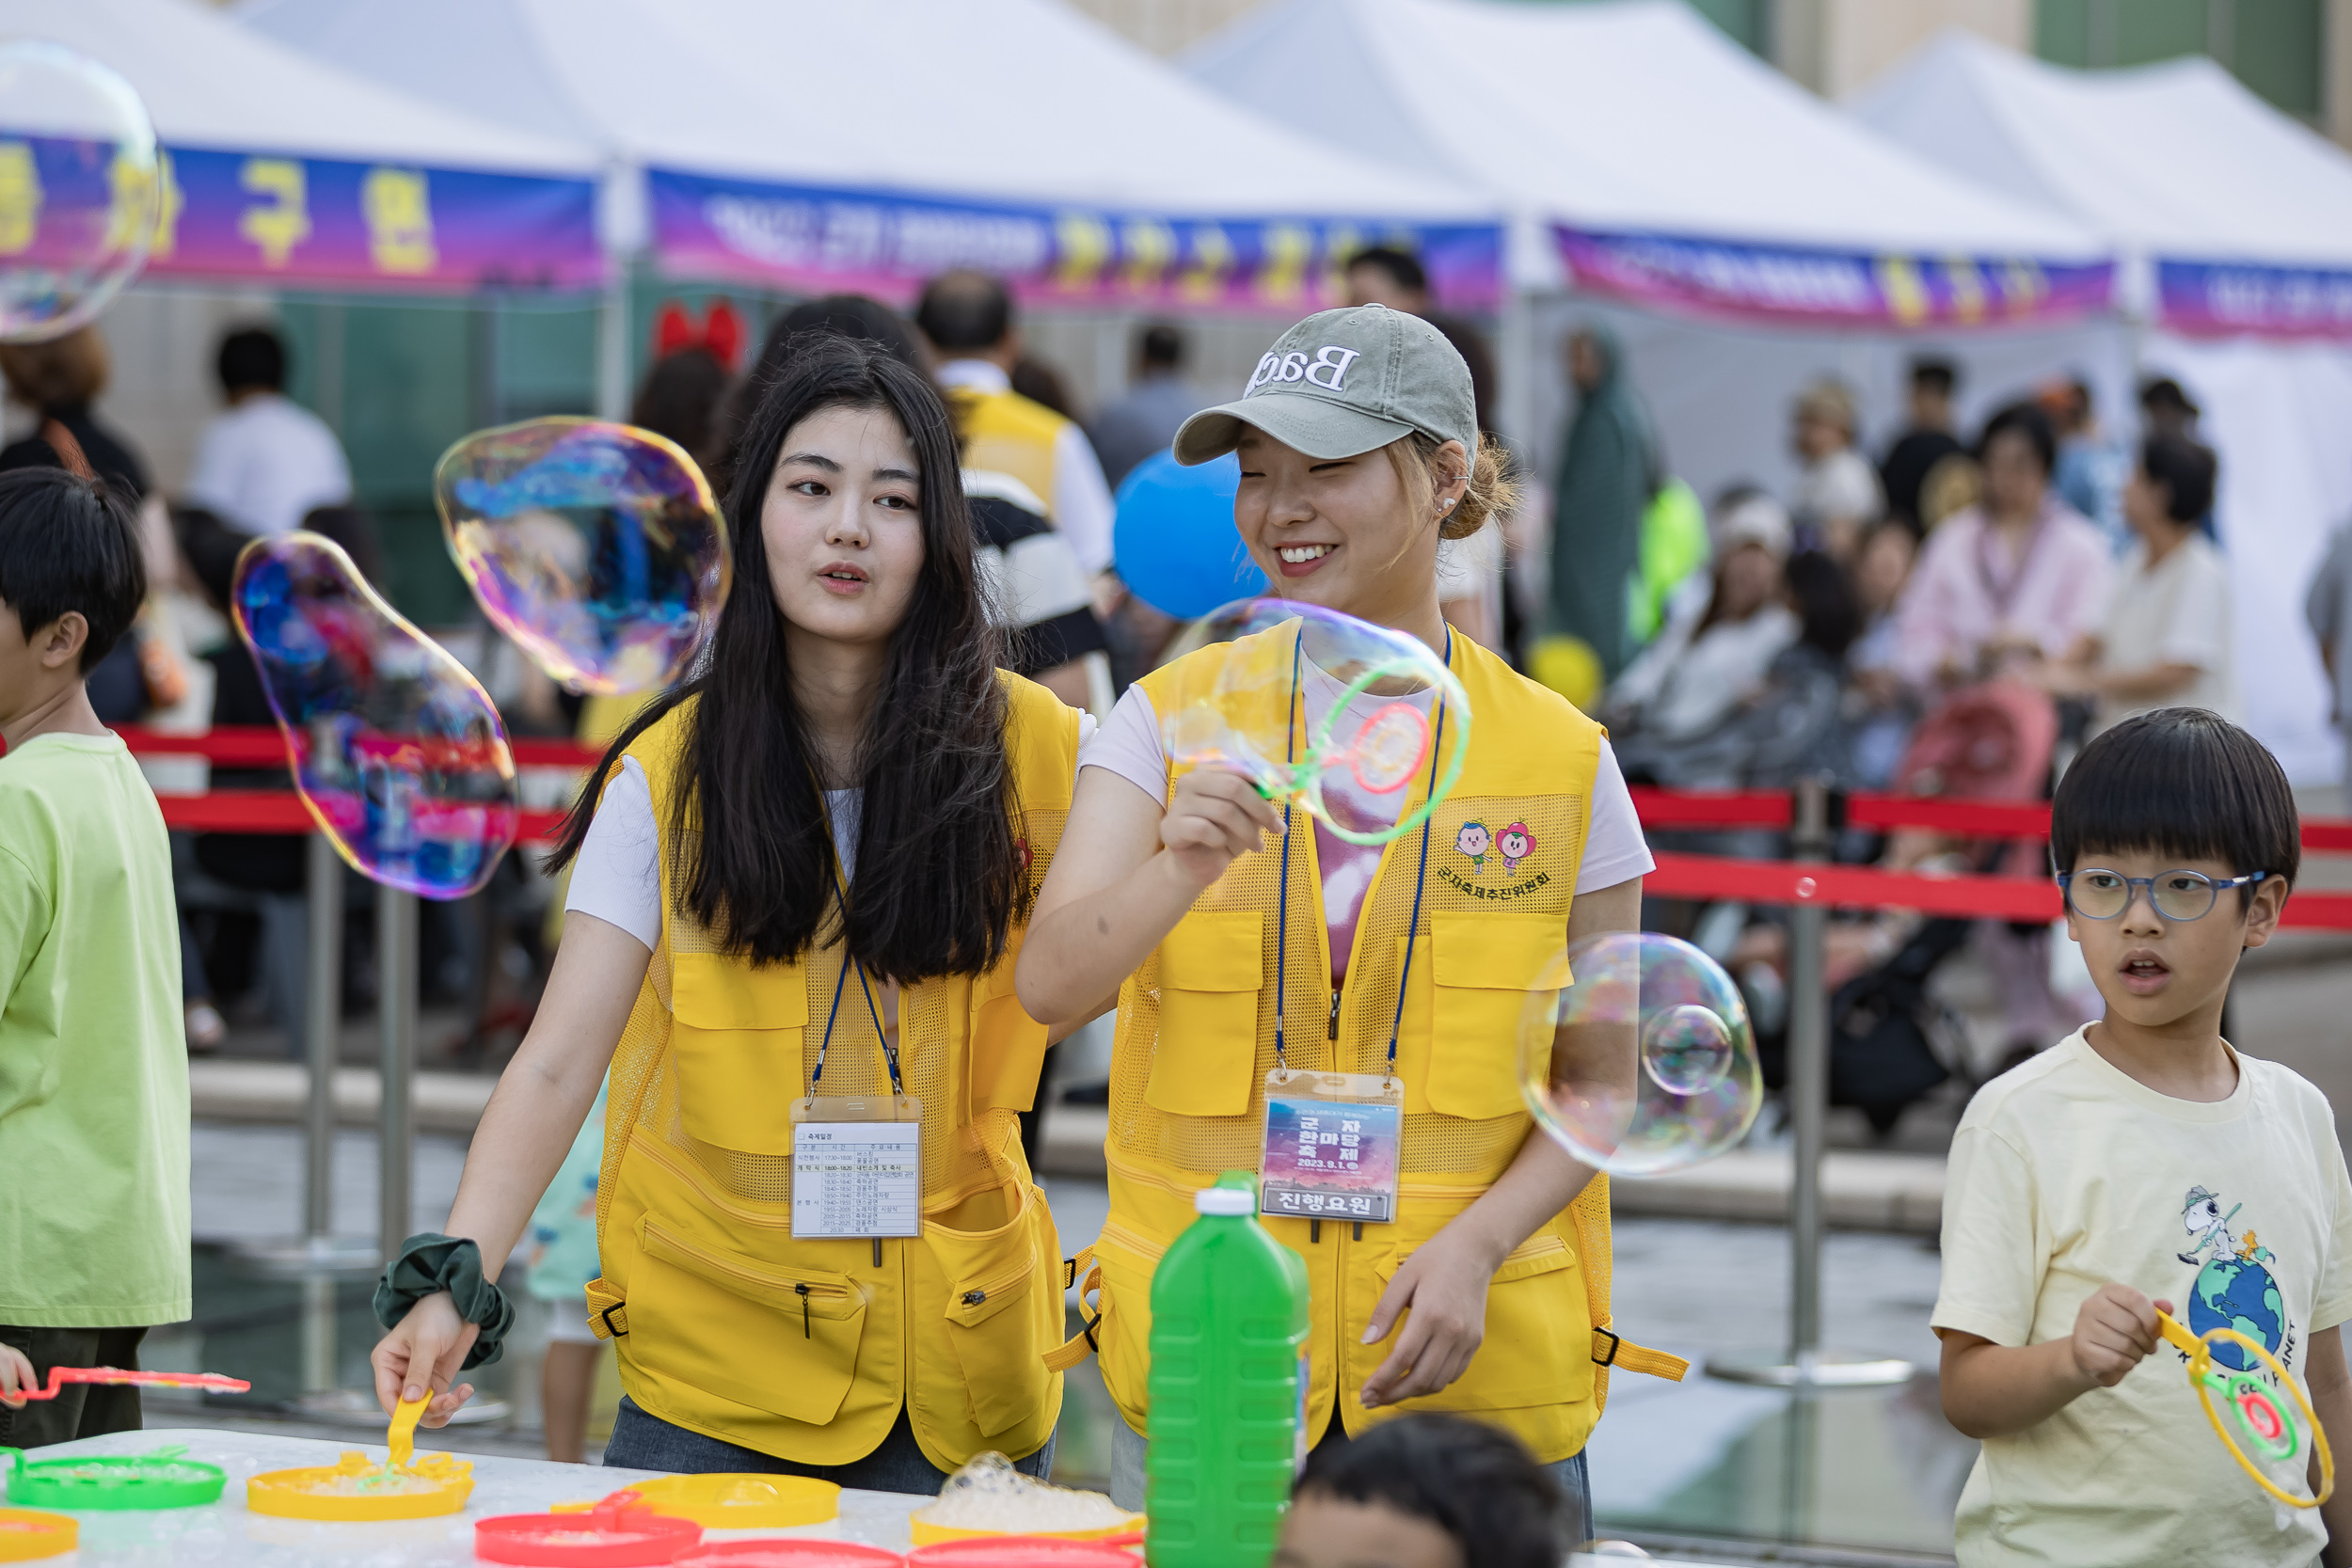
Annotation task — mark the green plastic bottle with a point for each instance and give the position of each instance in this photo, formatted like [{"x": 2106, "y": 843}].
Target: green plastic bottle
[{"x": 1228, "y": 1389}]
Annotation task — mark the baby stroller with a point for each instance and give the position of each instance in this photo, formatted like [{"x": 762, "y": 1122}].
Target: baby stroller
[{"x": 1890, "y": 1042}]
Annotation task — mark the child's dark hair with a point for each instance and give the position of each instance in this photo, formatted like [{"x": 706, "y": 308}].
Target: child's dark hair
[
  {"x": 2187, "y": 472},
  {"x": 67, "y": 544},
  {"x": 1472, "y": 1481},
  {"x": 2180, "y": 782}
]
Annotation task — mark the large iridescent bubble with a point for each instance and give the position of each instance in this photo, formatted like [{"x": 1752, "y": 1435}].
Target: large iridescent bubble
[
  {"x": 396, "y": 750},
  {"x": 81, "y": 188},
  {"x": 1365, "y": 727},
  {"x": 1637, "y": 1055},
  {"x": 597, "y": 547}
]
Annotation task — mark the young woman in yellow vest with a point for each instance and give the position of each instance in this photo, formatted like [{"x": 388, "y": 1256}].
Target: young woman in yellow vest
[
  {"x": 1484, "y": 1292},
  {"x": 800, "y": 887}
]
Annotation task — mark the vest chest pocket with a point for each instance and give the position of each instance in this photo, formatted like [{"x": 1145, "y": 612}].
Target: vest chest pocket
[
  {"x": 1211, "y": 968},
  {"x": 780, "y": 1339},
  {"x": 1458, "y": 1051},
  {"x": 1538, "y": 1345},
  {"x": 736, "y": 1033}
]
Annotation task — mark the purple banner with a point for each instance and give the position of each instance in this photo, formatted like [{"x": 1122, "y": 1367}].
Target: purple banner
[
  {"x": 2206, "y": 298},
  {"x": 1836, "y": 288},
  {"x": 889, "y": 244},
  {"x": 313, "y": 222}
]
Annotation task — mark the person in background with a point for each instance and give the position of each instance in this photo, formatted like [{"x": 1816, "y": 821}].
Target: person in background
[
  {"x": 93, "y": 1066},
  {"x": 1144, "y": 420},
  {"x": 2166, "y": 639},
  {"x": 58, "y": 381},
  {"x": 2092, "y": 466},
  {"x": 2015, "y": 579},
  {"x": 1608, "y": 472},
  {"x": 560, "y": 1254},
  {"x": 2327, "y": 608},
  {"x": 2166, "y": 409},
  {"x": 1715, "y": 655},
  {"x": 1879, "y": 706},
  {"x": 1383, "y": 274},
  {"x": 1924, "y": 443},
  {"x": 1837, "y": 494},
  {"x": 1040, "y": 382},
  {"x": 266, "y": 461},
  {"x": 968, "y": 318},
  {"x": 679, "y": 398}
]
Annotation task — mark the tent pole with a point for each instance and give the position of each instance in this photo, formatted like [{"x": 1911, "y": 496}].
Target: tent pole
[{"x": 613, "y": 338}]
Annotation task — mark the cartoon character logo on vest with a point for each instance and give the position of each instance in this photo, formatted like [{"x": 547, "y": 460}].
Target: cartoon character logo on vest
[
  {"x": 2234, "y": 1287},
  {"x": 1474, "y": 841},
  {"x": 1516, "y": 844}
]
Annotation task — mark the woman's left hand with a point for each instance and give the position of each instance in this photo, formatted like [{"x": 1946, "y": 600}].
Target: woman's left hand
[{"x": 1444, "y": 1283}]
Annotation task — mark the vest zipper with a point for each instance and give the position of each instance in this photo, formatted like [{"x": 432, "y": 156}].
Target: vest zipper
[{"x": 1332, "y": 1030}]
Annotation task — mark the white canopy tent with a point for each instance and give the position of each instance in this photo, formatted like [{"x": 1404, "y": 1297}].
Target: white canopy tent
[
  {"x": 806, "y": 144},
  {"x": 2235, "y": 223},
  {"x": 1633, "y": 128}
]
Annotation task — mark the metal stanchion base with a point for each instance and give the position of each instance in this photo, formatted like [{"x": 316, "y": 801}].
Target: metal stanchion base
[
  {"x": 310, "y": 1257},
  {"x": 1821, "y": 1368},
  {"x": 354, "y": 1407}
]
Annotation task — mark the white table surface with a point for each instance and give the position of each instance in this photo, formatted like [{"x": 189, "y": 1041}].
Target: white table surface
[{"x": 226, "y": 1534}]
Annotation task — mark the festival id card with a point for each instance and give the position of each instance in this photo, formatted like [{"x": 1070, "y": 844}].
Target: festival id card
[
  {"x": 1331, "y": 1146},
  {"x": 857, "y": 1168}
]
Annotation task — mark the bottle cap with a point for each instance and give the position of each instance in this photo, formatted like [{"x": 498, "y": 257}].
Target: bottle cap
[{"x": 1224, "y": 1201}]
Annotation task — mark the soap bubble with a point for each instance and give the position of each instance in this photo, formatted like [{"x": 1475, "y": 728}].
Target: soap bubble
[
  {"x": 1364, "y": 726},
  {"x": 1643, "y": 1063},
  {"x": 595, "y": 546},
  {"x": 80, "y": 192},
  {"x": 396, "y": 750}
]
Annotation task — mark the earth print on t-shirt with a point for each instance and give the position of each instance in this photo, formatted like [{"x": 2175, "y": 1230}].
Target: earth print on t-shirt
[{"x": 2234, "y": 1287}]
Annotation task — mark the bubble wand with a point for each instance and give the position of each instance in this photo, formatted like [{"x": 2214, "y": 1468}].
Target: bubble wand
[
  {"x": 60, "y": 1376},
  {"x": 2274, "y": 1433}
]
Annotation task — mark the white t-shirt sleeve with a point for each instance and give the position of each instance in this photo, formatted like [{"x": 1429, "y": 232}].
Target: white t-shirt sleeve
[
  {"x": 1614, "y": 849},
  {"x": 1993, "y": 1256},
  {"x": 1082, "y": 499},
  {"x": 2200, "y": 622},
  {"x": 1128, "y": 744},
  {"x": 617, "y": 875}
]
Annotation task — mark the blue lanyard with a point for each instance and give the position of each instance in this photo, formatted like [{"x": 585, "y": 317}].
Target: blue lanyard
[
  {"x": 890, "y": 1054},
  {"x": 1421, "y": 876}
]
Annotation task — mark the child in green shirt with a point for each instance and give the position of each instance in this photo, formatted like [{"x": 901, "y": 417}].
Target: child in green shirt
[{"x": 93, "y": 1062}]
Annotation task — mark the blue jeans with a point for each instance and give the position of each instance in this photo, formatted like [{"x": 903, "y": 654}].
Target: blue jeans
[
  {"x": 643, "y": 1442},
  {"x": 1128, "y": 1452}
]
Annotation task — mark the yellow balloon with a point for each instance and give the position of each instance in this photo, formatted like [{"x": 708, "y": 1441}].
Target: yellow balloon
[{"x": 1569, "y": 666}]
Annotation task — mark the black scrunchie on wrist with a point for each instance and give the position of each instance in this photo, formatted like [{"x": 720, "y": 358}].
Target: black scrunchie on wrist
[{"x": 432, "y": 1262}]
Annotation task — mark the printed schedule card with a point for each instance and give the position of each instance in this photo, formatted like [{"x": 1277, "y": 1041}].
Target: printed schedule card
[{"x": 854, "y": 1179}]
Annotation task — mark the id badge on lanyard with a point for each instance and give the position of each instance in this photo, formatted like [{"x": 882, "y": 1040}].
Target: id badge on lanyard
[
  {"x": 857, "y": 1167},
  {"x": 1331, "y": 1144},
  {"x": 1333, "y": 1141},
  {"x": 857, "y": 1160}
]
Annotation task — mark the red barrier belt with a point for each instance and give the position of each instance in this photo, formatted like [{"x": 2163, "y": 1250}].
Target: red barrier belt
[
  {"x": 1727, "y": 808},
  {"x": 1981, "y": 897},
  {"x": 281, "y": 811},
  {"x": 262, "y": 745}
]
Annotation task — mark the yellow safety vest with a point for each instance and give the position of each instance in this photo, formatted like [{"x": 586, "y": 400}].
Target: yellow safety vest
[
  {"x": 1195, "y": 1040},
  {"x": 1010, "y": 433},
  {"x": 809, "y": 1350}
]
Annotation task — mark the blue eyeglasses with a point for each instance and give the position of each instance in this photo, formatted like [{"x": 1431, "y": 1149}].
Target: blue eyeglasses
[{"x": 2174, "y": 895}]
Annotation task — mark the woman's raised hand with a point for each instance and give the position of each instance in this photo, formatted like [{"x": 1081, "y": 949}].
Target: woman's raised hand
[
  {"x": 1213, "y": 818},
  {"x": 422, "y": 1356}
]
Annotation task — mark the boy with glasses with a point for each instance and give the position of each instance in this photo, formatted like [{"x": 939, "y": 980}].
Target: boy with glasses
[{"x": 2072, "y": 1178}]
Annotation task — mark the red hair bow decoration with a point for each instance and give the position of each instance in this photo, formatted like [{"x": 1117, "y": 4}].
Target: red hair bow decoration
[{"x": 719, "y": 334}]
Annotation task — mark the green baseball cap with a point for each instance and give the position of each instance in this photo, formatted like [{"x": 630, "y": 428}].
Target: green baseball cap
[{"x": 1343, "y": 382}]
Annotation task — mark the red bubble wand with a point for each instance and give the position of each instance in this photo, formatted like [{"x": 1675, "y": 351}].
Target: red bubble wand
[{"x": 60, "y": 1376}]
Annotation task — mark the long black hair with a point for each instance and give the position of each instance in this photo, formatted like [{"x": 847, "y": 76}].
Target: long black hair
[{"x": 940, "y": 880}]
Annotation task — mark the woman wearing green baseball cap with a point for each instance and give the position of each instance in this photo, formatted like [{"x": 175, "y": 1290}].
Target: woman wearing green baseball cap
[{"x": 1359, "y": 451}]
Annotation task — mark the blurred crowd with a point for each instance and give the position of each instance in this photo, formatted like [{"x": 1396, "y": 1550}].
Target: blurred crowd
[{"x": 1950, "y": 614}]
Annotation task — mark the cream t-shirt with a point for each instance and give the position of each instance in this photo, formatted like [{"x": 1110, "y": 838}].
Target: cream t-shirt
[{"x": 2065, "y": 1174}]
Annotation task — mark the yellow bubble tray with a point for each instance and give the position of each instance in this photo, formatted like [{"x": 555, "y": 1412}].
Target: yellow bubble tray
[
  {"x": 26, "y": 1536},
  {"x": 360, "y": 1488}
]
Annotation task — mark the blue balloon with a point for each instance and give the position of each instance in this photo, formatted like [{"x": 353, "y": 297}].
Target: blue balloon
[{"x": 1174, "y": 542}]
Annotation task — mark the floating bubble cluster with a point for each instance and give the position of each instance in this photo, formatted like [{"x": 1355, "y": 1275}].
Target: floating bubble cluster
[
  {"x": 1643, "y": 1063},
  {"x": 81, "y": 188},
  {"x": 395, "y": 749},
  {"x": 595, "y": 546},
  {"x": 1364, "y": 726}
]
